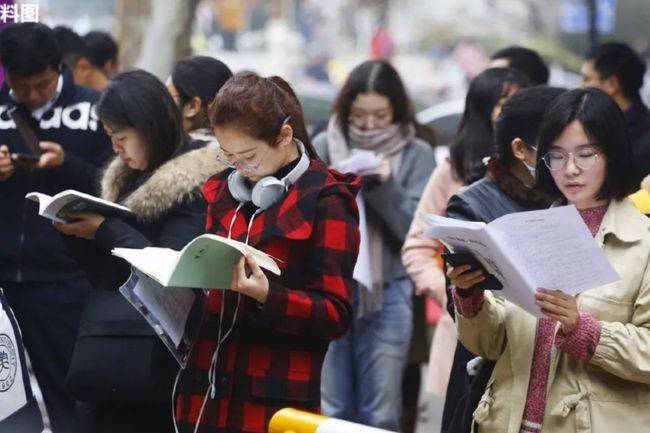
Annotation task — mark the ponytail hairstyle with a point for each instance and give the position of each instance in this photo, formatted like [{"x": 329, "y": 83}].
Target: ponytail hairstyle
[{"x": 259, "y": 107}]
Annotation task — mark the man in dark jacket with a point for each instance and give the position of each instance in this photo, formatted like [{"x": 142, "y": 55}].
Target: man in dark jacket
[
  {"x": 50, "y": 140},
  {"x": 617, "y": 70}
]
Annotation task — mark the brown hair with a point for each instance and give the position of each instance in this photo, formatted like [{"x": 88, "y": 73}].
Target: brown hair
[{"x": 260, "y": 106}]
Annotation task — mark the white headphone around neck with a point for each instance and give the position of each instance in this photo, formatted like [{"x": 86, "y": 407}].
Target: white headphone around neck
[{"x": 268, "y": 190}]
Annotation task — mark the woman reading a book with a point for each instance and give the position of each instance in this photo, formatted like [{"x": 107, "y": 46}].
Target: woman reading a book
[
  {"x": 264, "y": 338},
  {"x": 158, "y": 173},
  {"x": 508, "y": 186},
  {"x": 584, "y": 365}
]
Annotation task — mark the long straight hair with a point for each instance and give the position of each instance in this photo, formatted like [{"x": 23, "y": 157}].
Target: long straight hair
[
  {"x": 474, "y": 139},
  {"x": 139, "y": 100}
]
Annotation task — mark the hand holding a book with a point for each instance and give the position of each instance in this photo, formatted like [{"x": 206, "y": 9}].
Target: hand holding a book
[
  {"x": 559, "y": 306},
  {"x": 85, "y": 225},
  {"x": 462, "y": 278},
  {"x": 248, "y": 279},
  {"x": 6, "y": 164}
]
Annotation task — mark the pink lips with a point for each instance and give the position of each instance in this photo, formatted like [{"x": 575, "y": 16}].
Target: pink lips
[{"x": 573, "y": 186}]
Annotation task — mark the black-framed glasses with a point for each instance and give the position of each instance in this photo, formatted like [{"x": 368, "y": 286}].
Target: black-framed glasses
[{"x": 584, "y": 159}]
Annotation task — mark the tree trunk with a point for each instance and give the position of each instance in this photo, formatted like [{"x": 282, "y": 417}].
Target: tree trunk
[{"x": 153, "y": 34}]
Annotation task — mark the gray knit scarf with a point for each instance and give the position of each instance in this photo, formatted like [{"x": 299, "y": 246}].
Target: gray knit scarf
[{"x": 389, "y": 142}]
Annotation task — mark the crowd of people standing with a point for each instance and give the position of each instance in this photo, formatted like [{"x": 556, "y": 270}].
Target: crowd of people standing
[{"x": 209, "y": 151}]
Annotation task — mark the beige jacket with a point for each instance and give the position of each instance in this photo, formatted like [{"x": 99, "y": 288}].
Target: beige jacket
[
  {"x": 611, "y": 392},
  {"x": 420, "y": 257}
]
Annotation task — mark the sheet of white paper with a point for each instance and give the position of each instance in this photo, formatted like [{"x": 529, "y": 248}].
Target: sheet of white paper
[
  {"x": 551, "y": 248},
  {"x": 465, "y": 236},
  {"x": 359, "y": 161},
  {"x": 363, "y": 269},
  {"x": 170, "y": 305},
  {"x": 556, "y": 249}
]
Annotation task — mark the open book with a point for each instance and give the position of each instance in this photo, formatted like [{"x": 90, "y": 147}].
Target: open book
[
  {"x": 550, "y": 248},
  {"x": 74, "y": 201},
  {"x": 206, "y": 262}
]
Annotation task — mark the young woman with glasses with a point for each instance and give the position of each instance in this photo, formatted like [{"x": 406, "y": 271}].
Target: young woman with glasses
[
  {"x": 584, "y": 365},
  {"x": 263, "y": 339}
]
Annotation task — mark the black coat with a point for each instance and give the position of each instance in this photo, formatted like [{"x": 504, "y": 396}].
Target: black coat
[
  {"x": 497, "y": 194},
  {"x": 170, "y": 212},
  {"x": 638, "y": 123},
  {"x": 31, "y": 250}
]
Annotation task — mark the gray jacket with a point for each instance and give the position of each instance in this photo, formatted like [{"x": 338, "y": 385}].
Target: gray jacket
[{"x": 394, "y": 202}]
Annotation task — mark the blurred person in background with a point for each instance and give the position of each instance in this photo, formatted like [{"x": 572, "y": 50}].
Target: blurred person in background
[
  {"x": 45, "y": 287},
  {"x": 231, "y": 19},
  {"x": 362, "y": 374},
  {"x": 103, "y": 51},
  {"x": 193, "y": 84},
  {"x": 616, "y": 69},
  {"x": 77, "y": 58},
  {"x": 421, "y": 256},
  {"x": 525, "y": 61},
  {"x": 508, "y": 186}
]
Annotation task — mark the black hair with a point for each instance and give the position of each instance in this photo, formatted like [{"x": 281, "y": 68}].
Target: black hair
[
  {"x": 374, "y": 76},
  {"x": 605, "y": 125},
  {"x": 202, "y": 77},
  {"x": 619, "y": 60},
  {"x": 521, "y": 117},
  {"x": 528, "y": 62},
  {"x": 139, "y": 100},
  {"x": 72, "y": 47},
  {"x": 29, "y": 48},
  {"x": 474, "y": 139},
  {"x": 101, "y": 48}
]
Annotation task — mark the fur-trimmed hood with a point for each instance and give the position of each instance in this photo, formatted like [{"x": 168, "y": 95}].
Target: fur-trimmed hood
[{"x": 178, "y": 180}]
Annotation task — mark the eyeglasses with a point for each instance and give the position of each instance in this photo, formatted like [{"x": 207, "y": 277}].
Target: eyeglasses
[
  {"x": 238, "y": 164},
  {"x": 379, "y": 117},
  {"x": 241, "y": 165},
  {"x": 584, "y": 159}
]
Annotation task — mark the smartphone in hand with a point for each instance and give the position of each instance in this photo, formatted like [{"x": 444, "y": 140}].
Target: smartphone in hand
[
  {"x": 26, "y": 160},
  {"x": 459, "y": 259}
]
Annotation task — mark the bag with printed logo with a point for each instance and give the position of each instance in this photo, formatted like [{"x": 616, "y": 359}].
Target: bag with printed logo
[{"x": 19, "y": 412}]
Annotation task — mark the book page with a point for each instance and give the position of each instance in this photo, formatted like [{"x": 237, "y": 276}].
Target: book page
[
  {"x": 263, "y": 260},
  {"x": 360, "y": 161},
  {"x": 43, "y": 201},
  {"x": 207, "y": 262},
  {"x": 556, "y": 249},
  {"x": 75, "y": 201},
  {"x": 475, "y": 238},
  {"x": 171, "y": 306},
  {"x": 157, "y": 263}
]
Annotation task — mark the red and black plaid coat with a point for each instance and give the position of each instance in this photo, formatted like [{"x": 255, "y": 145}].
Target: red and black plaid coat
[{"x": 274, "y": 356}]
